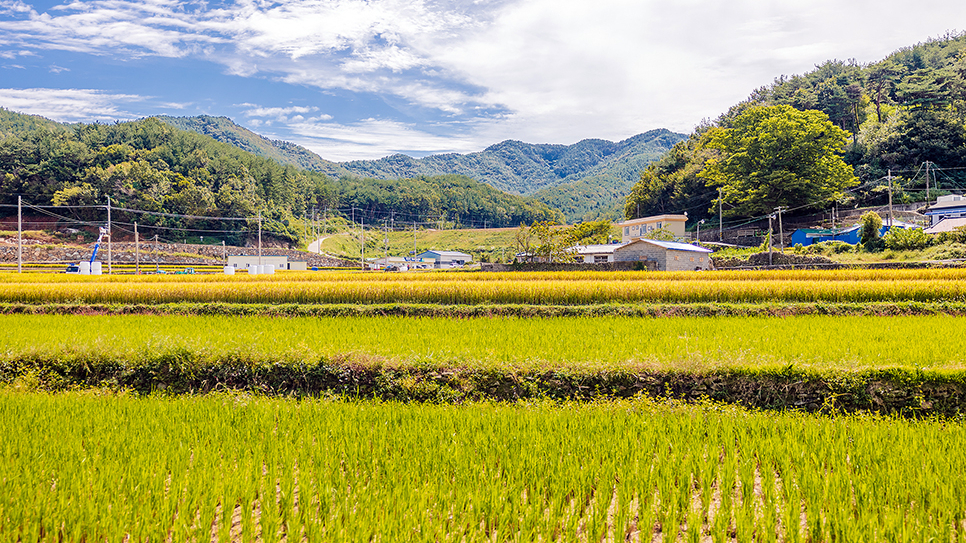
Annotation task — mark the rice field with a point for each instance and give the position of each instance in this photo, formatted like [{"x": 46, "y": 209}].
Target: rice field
[
  {"x": 577, "y": 288},
  {"x": 813, "y": 342},
  {"x": 236, "y": 468},
  {"x": 99, "y": 465}
]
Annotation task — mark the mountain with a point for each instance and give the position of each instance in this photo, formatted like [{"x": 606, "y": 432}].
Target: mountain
[
  {"x": 175, "y": 182},
  {"x": 227, "y": 131},
  {"x": 585, "y": 180}
]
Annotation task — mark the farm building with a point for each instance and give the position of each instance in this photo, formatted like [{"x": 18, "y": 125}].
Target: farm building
[
  {"x": 951, "y": 206},
  {"x": 280, "y": 262},
  {"x": 402, "y": 263},
  {"x": 947, "y": 225},
  {"x": 446, "y": 259},
  {"x": 667, "y": 255},
  {"x": 635, "y": 228},
  {"x": 851, "y": 235}
]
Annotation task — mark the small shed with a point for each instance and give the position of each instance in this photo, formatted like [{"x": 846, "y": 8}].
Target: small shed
[
  {"x": 667, "y": 255},
  {"x": 446, "y": 259}
]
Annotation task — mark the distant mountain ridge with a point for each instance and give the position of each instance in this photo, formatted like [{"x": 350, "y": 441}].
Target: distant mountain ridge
[{"x": 588, "y": 179}]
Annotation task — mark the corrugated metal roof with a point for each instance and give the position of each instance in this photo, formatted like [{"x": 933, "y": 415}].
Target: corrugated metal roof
[
  {"x": 946, "y": 225},
  {"x": 597, "y": 249},
  {"x": 672, "y": 245},
  {"x": 451, "y": 254}
]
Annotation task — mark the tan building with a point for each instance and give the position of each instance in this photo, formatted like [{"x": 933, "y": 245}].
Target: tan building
[
  {"x": 667, "y": 255},
  {"x": 635, "y": 228}
]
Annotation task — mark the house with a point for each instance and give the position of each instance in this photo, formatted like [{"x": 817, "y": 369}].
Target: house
[
  {"x": 595, "y": 254},
  {"x": 446, "y": 259},
  {"x": 667, "y": 255},
  {"x": 951, "y": 206},
  {"x": 635, "y": 228}
]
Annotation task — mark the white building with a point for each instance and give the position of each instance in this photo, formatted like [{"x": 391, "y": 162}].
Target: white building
[
  {"x": 636, "y": 228},
  {"x": 446, "y": 259},
  {"x": 279, "y": 262}
]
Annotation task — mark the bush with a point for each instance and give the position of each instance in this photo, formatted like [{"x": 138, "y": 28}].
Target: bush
[
  {"x": 906, "y": 239},
  {"x": 830, "y": 248},
  {"x": 871, "y": 224}
]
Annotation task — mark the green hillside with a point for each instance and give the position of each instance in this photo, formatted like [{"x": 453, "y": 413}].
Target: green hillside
[{"x": 179, "y": 176}]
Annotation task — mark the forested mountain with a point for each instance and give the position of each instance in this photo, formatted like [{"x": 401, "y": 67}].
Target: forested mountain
[
  {"x": 900, "y": 114},
  {"x": 585, "y": 180},
  {"x": 225, "y": 130},
  {"x": 151, "y": 166}
]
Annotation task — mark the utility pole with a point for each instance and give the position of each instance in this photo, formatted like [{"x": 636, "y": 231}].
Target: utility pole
[
  {"x": 110, "y": 269},
  {"x": 19, "y": 234},
  {"x": 770, "y": 217},
  {"x": 224, "y": 252},
  {"x": 137, "y": 252},
  {"x": 699, "y": 229},
  {"x": 781, "y": 231},
  {"x": 720, "y": 229},
  {"x": 259, "y": 239},
  {"x": 927, "y": 182},
  {"x": 362, "y": 264},
  {"x": 325, "y": 216},
  {"x": 890, "y": 199},
  {"x": 414, "y": 239}
]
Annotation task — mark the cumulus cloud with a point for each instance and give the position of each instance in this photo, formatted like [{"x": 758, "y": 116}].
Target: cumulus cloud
[
  {"x": 537, "y": 70},
  {"x": 69, "y": 105}
]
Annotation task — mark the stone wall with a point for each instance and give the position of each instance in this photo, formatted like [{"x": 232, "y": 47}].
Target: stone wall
[
  {"x": 161, "y": 253},
  {"x": 568, "y": 266}
]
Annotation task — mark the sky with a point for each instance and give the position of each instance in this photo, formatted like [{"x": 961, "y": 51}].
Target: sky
[{"x": 363, "y": 79}]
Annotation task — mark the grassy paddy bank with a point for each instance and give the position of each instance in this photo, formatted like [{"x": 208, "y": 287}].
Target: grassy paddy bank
[{"x": 900, "y": 363}]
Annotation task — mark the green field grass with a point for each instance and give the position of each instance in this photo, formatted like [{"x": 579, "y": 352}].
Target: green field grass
[
  {"x": 491, "y": 244},
  {"x": 238, "y": 468},
  {"x": 814, "y": 342}
]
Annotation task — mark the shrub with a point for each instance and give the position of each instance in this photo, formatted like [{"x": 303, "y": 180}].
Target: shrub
[
  {"x": 906, "y": 239},
  {"x": 871, "y": 224}
]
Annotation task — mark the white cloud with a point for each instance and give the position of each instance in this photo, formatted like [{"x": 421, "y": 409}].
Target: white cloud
[
  {"x": 276, "y": 111},
  {"x": 370, "y": 138},
  {"x": 536, "y": 70},
  {"x": 69, "y": 105}
]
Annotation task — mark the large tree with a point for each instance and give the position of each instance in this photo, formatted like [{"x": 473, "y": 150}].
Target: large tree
[{"x": 778, "y": 156}]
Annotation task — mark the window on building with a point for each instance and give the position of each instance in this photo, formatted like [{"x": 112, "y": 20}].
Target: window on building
[
  {"x": 600, "y": 259},
  {"x": 627, "y": 230},
  {"x": 659, "y": 226},
  {"x": 692, "y": 259},
  {"x": 700, "y": 259}
]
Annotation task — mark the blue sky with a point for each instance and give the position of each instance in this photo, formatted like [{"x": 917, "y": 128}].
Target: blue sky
[{"x": 357, "y": 79}]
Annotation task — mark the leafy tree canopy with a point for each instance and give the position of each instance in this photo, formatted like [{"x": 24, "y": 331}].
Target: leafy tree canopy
[{"x": 778, "y": 156}]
